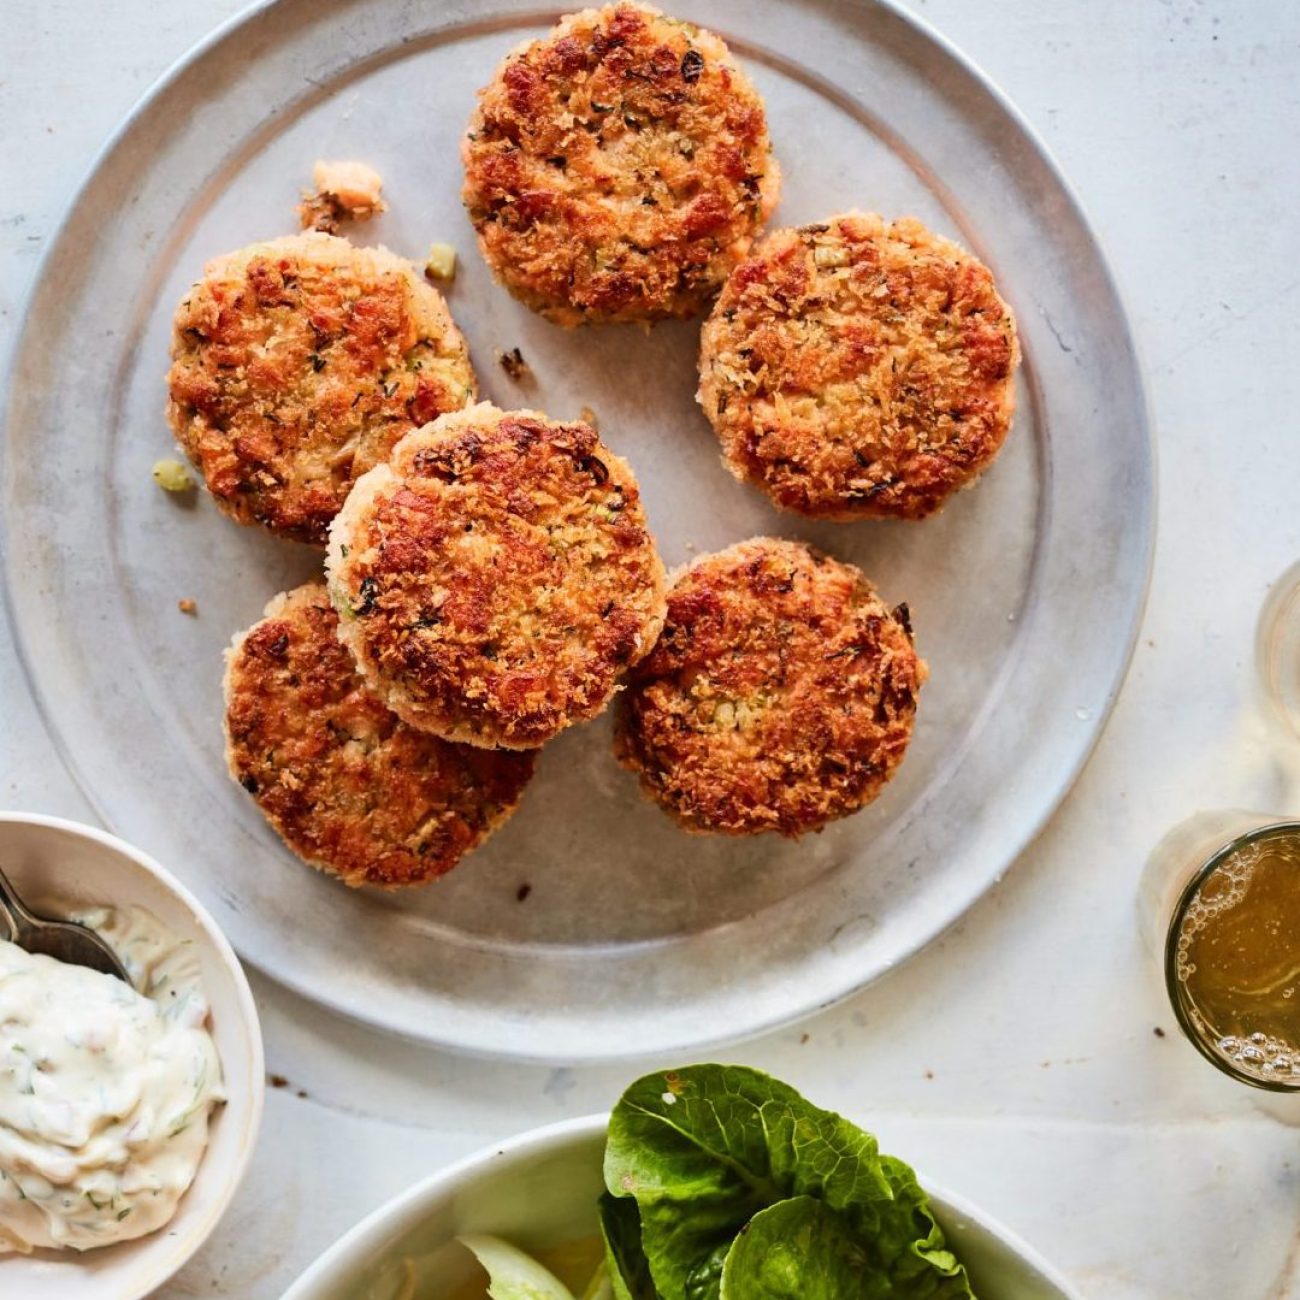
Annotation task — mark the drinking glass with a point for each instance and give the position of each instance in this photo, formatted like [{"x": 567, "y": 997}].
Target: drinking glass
[{"x": 1187, "y": 867}]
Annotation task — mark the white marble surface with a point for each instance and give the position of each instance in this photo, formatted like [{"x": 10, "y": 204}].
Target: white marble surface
[{"x": 1015, "y": 1060}]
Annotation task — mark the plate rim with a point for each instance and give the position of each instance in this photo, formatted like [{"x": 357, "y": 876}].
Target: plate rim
[{"x": 1135, "y": 594}]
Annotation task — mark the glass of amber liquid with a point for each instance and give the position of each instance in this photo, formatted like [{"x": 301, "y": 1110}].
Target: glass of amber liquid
[{"x": 1220, "y": 906}]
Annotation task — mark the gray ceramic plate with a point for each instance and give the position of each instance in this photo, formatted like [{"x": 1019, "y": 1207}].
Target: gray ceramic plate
[{"x": 634, "y": 938}]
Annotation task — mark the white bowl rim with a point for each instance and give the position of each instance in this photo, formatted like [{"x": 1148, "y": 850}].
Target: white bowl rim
[
  {"x": 243, "y": 998},
  {"x": 402, "y": 1210}
]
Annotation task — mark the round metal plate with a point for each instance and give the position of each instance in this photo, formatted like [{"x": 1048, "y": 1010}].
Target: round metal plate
[{"x": 633, "y": 937}]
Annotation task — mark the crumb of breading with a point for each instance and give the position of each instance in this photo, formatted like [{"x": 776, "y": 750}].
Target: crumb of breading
[
  {"x": 515, "y": 366},
  {"x": 345, "y": 191},
  {"x": 187, "y": 606}
]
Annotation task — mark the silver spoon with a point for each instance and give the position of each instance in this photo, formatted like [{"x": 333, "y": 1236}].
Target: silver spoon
[{"x": 63, "y": 940}]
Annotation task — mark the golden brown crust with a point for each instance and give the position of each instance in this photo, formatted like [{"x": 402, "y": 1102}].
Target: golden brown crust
[
  {"x": 297, "y": 364},
  {"x": 497, "y": 577},
  {"x": 780, "y": 696},
  {"x": 618, "y": 168},
  {"x": 855, "y": 368},
  {"x": 349, "y": 787}
]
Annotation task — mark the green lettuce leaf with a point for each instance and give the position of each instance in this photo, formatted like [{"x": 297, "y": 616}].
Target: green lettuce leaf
[
  {"x": 513, "y": 1275},
  {"x": 799, "y": 1250},
  {"x": 600, "y": 1287},
  {"x": 916, "y": 1255},
  {"x": 625, "y": 1261},
  {"x": 703, "y": 1150}
]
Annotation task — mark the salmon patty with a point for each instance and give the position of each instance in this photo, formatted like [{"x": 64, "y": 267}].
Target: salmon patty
[
  {"x": 856, "y": 368},
  {"x": 350, "y": 787},
  {"x": 781, "y": 694},
  {"x": 297, "y": 365},
  {"x": 617, "y": 169},
  {"x": 496, "y": 578}
]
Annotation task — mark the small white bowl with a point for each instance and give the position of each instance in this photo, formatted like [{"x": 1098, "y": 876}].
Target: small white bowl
[
  {"x": 58, "y": 867},
  {"x": 540, "y": 1189}
]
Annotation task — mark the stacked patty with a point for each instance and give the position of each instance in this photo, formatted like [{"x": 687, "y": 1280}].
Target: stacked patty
[
  {"x": 496, "y": 577},
  {"x": 297, "y": 365},
  {"x": 618, "y": 169},
  {"x": 349, "y": 786},
  {"x": 781, "y": 694},
  {"x": 856, "y": 368}
]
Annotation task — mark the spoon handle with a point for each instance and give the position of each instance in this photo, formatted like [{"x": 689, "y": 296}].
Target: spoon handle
[{"x": 15, "y": 917}]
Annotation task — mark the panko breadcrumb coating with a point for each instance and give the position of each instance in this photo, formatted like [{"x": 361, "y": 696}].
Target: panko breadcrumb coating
[
  {"x": 855, "y": 368},
  {"x": 351, "y": 788},
  {"x": 297, "y": 365},
  {"x": 780, "y": 696},
  {"x": 344, "y": 191},
  {"x": 496, "y": 577},
  {"x": 617, "y": 169}
]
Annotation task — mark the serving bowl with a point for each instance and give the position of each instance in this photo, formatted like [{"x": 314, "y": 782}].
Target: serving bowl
[
  {"x": 59, "y": 867},
  {"x": 539, "y": 1190}
]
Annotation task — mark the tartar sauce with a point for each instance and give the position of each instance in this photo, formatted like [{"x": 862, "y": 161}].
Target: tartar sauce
[{"x": 105, "y": 1092}]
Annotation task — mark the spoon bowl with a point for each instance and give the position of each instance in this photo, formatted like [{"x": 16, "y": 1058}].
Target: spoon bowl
[{"x": 66, "y": 941}]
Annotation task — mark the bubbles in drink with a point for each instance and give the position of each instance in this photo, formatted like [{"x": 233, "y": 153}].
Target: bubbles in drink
[
  {"x": 1236, "y": 957},
  {"x": 1268, "y": 1056}
]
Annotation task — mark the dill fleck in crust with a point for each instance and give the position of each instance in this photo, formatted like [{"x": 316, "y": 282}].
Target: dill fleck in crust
[
  {"x": 351, "y": 788},
  {"x": 781, "y": 694},
  {"x": 617, "y": 169},
  {"x": 297, "y": 364},
  {"x": 855, "y": 368},
  {"x": 496, "y": 578}
]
